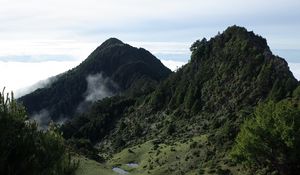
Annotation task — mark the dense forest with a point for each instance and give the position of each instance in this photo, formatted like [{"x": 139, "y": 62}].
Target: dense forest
[{"x": 234, "y": 108}]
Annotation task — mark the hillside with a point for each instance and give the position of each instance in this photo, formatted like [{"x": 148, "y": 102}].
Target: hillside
[
  {"x": 188, "y": 124},
  {"x": 112, "y": 68}
]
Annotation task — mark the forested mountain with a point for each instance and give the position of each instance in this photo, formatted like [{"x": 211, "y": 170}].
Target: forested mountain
[
  {"x": 113, "y": 68},
  {"x": 188, "y": 124}
]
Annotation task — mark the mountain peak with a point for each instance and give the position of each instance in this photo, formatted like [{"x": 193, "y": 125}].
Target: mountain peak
[
  {"x": 243, "y": 35},
  {"x": 236, "y": 29},
  {"x": 235, "y": 39},
  {"x": 111, "y": 42},
  {"x": 131, "y": 70}
]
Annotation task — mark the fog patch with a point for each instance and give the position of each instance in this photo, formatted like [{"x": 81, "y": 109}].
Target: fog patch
[
  {"x": 40, "y": 84},
  {"x": 42, "y": 118},
  {"x": 61, "y": 121},
  {"x": 98, "y": 87}
]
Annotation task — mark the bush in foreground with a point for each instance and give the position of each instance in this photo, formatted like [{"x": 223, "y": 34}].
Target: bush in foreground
[
  {"x": 271, "y": 139},
  {"x": 26, "y": 150}
]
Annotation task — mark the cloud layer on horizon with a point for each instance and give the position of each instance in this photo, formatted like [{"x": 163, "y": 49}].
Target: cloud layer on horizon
[
  {"x": 21, "y": 76},
  {"x": 39, "y": 39},
  {"x": 29, "y": 74},
  {"x": 73, "y": 28}
]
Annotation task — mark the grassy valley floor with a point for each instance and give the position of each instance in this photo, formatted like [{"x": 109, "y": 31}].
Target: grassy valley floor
[
  {"x": 153, "y": 158},
  {"x": 91, "y": 167}
]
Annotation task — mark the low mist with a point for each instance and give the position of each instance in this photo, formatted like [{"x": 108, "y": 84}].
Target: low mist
[
  {"x": 40, "y": 84},
  {"x": 42, "y": 118},
  {"x": 98, "y": 87}
]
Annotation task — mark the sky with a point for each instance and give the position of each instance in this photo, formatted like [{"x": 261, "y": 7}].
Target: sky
[{"x": 39, "y": 39}]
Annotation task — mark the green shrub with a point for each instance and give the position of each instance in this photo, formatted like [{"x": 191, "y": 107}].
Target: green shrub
[
  {"x": 271, "y": 139},
  {"x": 25, "y": 150}
]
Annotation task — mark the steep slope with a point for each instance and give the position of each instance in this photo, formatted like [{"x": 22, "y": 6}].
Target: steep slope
[
  {"x": 113, "y": 68},
  {"x": 190, "y": 121},
  {"x": 233, "y": 68}
]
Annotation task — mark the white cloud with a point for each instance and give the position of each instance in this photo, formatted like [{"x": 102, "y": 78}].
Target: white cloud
[
  {"x": 37, "y": 49},
  {"x": 69, "y": 19},
  {"x": 74, "y": 27},
  {"x": 295, "y": 68},
  {"x": 173, "y": 65},
  {"x": 19, "y": 75},
  {"x": 166, "y": 27},
  {"x": 40, "y": 84},
  {"x": 42, "y": 118},
  {"x": 99, "y": 87}
]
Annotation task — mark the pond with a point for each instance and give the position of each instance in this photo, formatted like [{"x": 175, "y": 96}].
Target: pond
[{"x": 120, "y": 171}]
